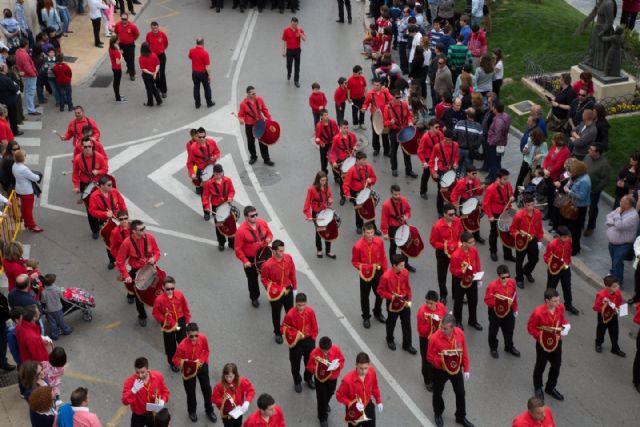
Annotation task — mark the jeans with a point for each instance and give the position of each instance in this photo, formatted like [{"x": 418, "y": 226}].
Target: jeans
[
  {"x": 593, "y": 210},
  {"x": 618, "y": 253},
  {"x": 56, "y": 321},
  {"x": 80, "y": 8},
  {"x": 201, "y": 78},
  {"x": 293, "y": 55},
  {"x": 30, "y": 93},
  {"x": 464, "y": 162},
  {"x": 64, "y": 97},
  {"x": 65, "y": 17},
  {"x": 494, "y": 163},
  {"x": 54, "y": 89}
]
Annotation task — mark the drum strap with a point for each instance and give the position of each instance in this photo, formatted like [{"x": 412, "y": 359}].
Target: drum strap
[
  {"x": 253, "y": 113},
  {"x": 88, "y": 171},
  {"x": 205, "y": 156},
  {"x": 345, "y": 144},
  {"x": 447, "y": 163},
  {"x": 327, "y": 133},
  {"x": 104, "y": 202},
  {"x": 366, "y": 174},
  {"x": 146, "y": 249},
  {"x": 503, "y": 198},
  {"x": 395, "y": 210},
  {"x": 257, "y": 238},
  {"x": 123, "y": 233},
  {"x": 395, "y": 113},
  {"x": 217, "y": 193}
]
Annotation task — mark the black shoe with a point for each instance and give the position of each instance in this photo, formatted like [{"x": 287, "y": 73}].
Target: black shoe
[
  {"x": 411, "y": 174},
  {"x": 409, "y": 349},
  {"x": 328, "y": 408},
  {"x": 424, "y": 196},
  {"x": 571, "y": 309},
  {"x": 210, "y": 104},
  {"x": 619, "y": 352},
  {"x": 269, "y": 163},
  {"x": 376, "y": 152},
  {"x": 494, "y": 257},
  {"x": 298, "y": 387},
  {"x": 555, "y": 394},
  {"x": 539, "y": 394},
  {"x": 142, "y": 322},
  {"x": 164, "y": 95},
  {"x": 197, "y": 106},
  {"x": 366, "y": 323},
  {"x": 411, "y": 268},
  {"x": 343, "y": 200},
  {"x": 494, "y": 354},
  {"x": 175, "y": 368},
  {"x": 509, "y": 258},
  {"x": 340, "y": 21},
  {"x": 477, "y": 326},
  {"x": 598, "y": 348},
  {"x": 480, "y": 240},
  {"x": 429, "y": 387},
  {"x": 255, "y": 303},
  {"x": 349, "y": 20},
  {"x": 95, "y": 236},
  {"x": 19, "y": 133},
  {"x": 530, "y": 278},
  {"x": 8, "y": 367},
  {"x": 439, "y": 421},
  {"x": 221, "y": 247},
  {"x": 207, "y": 216},
  {"x": 111, "y": 265},
  {"x": 99, "y": 46},
  {"x": 514, "y": 351},
  {"x": 443, "y": 300},
  {"x": 380, "y": 317},
  {"x": 217, "y": 9},
  {"x": 193, "y": 417},
  {"x": 637, "y": 386},
  {"x": 212, "y": 415},
  {"x": 330, "y": 255},
  {"x": 464, "y": 421},
  {"x": 394, "y": 172},
  {"x": 278, "y": 339},
  {"x": 297, "y": 84},
  {"x": 131, "y": 299},
  {"x": 520, "y": 284},
  {"x": 391, "y": 345},
  {"x": 198, "y": 190},
  {"x": 252, "y": 160},
  {"x": 311, "y": 384}
]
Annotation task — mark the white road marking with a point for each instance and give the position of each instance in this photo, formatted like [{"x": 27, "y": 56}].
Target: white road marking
[
  {"x": 32, "y": 159},
  {"x": 124, "y": 157},
  {"x": 163, "y": 176},
  {"x": 136, "y": 213},
  {"x": 26, "y": 251},
  {"x": 27, "y": 125},
  {"x": 220, "y": 121},
  {"x": 240, "y": 43},
  {"x": 28, "y": 141},
  {"x": 230, "y": 170}
]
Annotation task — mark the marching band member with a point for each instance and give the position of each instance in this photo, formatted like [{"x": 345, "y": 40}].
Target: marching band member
[
  {"x": 557, "y": 256},
  {"x": 497, "y": 198},
  {"x": 104, "y": 204},
  {"x": 319, "y": 198},
  {"x": 464, "y": 189},
  {"x": 253, "y": 109},
  {"x": 171, "y": 311},
  {"x": 229, "y": 392},
  {"x": 368, "y": 257},
  {"x": 200, "y": 154},
  {"x": 88, "y": 132},
  {"x": 395, "y": 288},
  {"x": 300, "y": 328},
  {"x": 547, "y": 326},
  {"x": 397, "y": 117},
  {"x": 465, "y": 263},
  {"x": 395, "y": 212},
  {"x": 607, "y": 305},
  {"x": 216, "y": 191},
  {"x": 252, "y": 235},
  {"x": 342, "y": 147},
  {"x": 193, "y": 133},
  {"x": 87, "y": 166},
  {"x": 144, "y": 386},
  {"x": 326, "y": 130},
  {"x": 377, "y": 99},
  {"x": 192, "y": 356},
  {"x": 444, "y": 157},
  {"x": 502, "y": 303},
  {"x": 139, "y": 249},
  {"x": 325, "y": 362},
  {"x": 526, "y": 229},
  {"x": 357, "y": 392},
  {"x": 636, "y": 360},
  {"x": 76, "y": 126},
  {"x": 428, "y": 140},
  {"x": 450, "y": 360},
  {"x": 118, "y": 235},
  {"x": 536, "y": 415},
  {"x": 268, "y": 414},
  {"x": 359, "y": 177},
  {"x": 278, "y": 276},
  {"x": 445, "y": 238},
  {"x": 429, "y": 316}
]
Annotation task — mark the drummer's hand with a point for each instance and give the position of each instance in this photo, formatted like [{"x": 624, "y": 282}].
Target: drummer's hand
[
  {"x": 385, "y": 237},
  {"x": 76, "y": 190},
  {"x": 268, "y": 240},
  {"x": 151, "y": 261},
  {"x": 181, "y": 363},
  {"x": 330, "y": 200},
  {"x": 435, "y": 177},
  {"x": 368, "y": 180},
  {"x": 284, "y": 54},
  {"x": 425, "y": 165},
  {"x": 335, "y": 165},
  {"x": 193, "y": 176},
  {"x": 308, "y": 219},
  {"x": 246, "y": 264},
  {"x": 128, "y": 279},
  {"x": 511, "y": 199},
  {"x": 109, "y": 214},
  {"x": 230, "y": 199}
]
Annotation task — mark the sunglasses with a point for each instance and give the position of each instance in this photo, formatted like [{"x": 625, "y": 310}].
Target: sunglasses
[
  {"x": 124, "y": 218},
  {"x": 253, "y": 215},
  {"x": 202, "y": 137},
  {"x": 450, "y": 213},
  {"x": 109, "y": 185},
  {"x": 140, "y": 230},
  {"x": 169, "y": 289},
  {"x": 193, "y": 336},
  {"x": 505, "y": 276},
  {"x": 87, "y": 146}
]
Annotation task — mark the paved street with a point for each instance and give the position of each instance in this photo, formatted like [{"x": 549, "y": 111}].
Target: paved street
[{"x": 147, "y": 157}]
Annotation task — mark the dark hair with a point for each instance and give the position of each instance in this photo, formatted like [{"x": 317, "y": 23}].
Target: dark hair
[
  {"x": 103, "y": 180},
  {"x": 344, "y": 123},
  {"x": 465, "y": 236},
  {"x": 397, "y": 259},
  {"x": 527, "y": 198},
  {"x": 472, "y": 168},
  {"x": 368, "y": 226},
  {"x": 192, "y": 327},
  {"x": 294, "y": 19},
  {"x": 264, "y": 401},
  {"x": 249, "y": 209},
  {"x": 316, "y": 180},
  {"x": 315, "y": 86},
  {"x": 133, "y": 225},
  {"x": 357, "y": 69},
  {"x": 58, "y": 357},
  {"x": 325, "y": 343},
  {"x": 566, "y": 77},
  {"x": 141, "y": 362},
  {"x": 231, "y": 368},
  {"x": 550, "y": 293},
  {"x": 250, "y": 88},
  {"x": 502, "y": 173},
  {"x": 154, "y": 24},
  {"x": 361, "y": 155},
  {"x": 29, "y": 313},
  {"x": 217, "y": 168},
  {"x": 610, "y": 280},
  {"x": 534, "y": 402},
  {"x": 169, "y": 279},
  {"x": 78, "y": 396},
  {"x": 341, "y": 80},
  {"x": 498, "y": 105},
  {"x": 145, "y": 50},
  {"x": 448, "y": 133},
  {"x": 49, "y": 279},
  {"x": 448, "y": 207},
  {"x": 537, "y": 136},
  {"x": 16, "y": 313},
  {"x": 394, "y": 188},
  {"x": 301, "y": 297},
  {"x": 502, "y": 269},
  {"x": 432, "y": 296},
  {"x": 362, "y": 357},
  {"x": 277, "y": 244},
  {"x": 563, "y": 230}
]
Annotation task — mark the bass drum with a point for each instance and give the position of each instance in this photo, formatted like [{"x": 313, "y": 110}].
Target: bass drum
[
  {"x": 409, "y": 139},
  {"x": 378, "y": 122},
  {"x": 366, "y": 203},
  {"x": 409, "y": 241},
  {"x": 266, "y": 131},
  {"x": 470, "y": 215}
]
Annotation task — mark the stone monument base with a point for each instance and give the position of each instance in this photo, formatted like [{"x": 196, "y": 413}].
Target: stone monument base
[{"x": 604, "y": 86}]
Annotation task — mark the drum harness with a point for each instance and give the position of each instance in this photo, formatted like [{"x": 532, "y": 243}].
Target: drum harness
[{"x": 87, "y": 171}]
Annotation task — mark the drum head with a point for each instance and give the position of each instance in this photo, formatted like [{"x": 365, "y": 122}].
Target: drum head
[
  {"x": 259, "y": 129},
  {"x": 88, "y": 190},
  {"x": 223, "y": 211},
  {"x": 363, "y": 196},
  {"x": 207, "y": 173},
  {"x": 448, "y": 179},
  {"x": 407, "y": 134},
  {"x": 145, "y": 277},
  {"x": 378, "y": 122},
  {"x": 505, "y": 219},
  {"x": 469, "y": 206},
  {"x": 324, "y": 217},
  {"x": 348, "y": 163},
  {"x": 402, "y": 235}
]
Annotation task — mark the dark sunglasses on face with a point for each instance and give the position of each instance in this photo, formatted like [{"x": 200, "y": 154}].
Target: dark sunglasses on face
[
  {"x": 253, "y": 215},
  {"x": 169, "y": 289},
  {"x": 193, "y": 336},
  {"x": 506, "y": 276},
  {"x": 140, "y": 230}
]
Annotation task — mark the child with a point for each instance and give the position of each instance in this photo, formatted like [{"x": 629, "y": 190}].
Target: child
[
  {"x": 63, "y": 74},
  {"x": 53, "y": 307},
  {"x": 465, "y": 29},
  {"x": 108, "y": 17},
  {"x": 54, "y": 369},
  {"x": 49, "y": 63},
  {"x": 35, "y": 277},
  {"x": 435, "y": 35},
  {"x": 340, "y": 99},
  {"x": 317, "y": 102},
  {"x": 369, "y": 40},
  {"x": 607, "y": 304}
]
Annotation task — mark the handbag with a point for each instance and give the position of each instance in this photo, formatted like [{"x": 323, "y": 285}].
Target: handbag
[{"x": 37, "y": 191}]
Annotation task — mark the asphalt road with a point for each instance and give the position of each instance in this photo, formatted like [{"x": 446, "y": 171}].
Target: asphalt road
[{"x": 147, "y": 147}]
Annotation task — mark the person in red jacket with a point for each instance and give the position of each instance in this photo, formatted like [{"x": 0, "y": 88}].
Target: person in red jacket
[
  {"x": 369, "y": 258},
  {"x": 359, "y": 177},
  {"x": 359, "y": 390},
  {"x": 292, "y": 38},
  {"x": 536, "y": 415},
  {"x": 325, "y": 363},
  {"x": 547, "y": 326},
  {"x": 278, "y": 276},
  {"x": 171, "y": 311},
  {"x": 149, "y": 68},
  {"x": 343, "y": 146},
  {"x": 158, "y": 42},
  {"x": 449, "y": 357},
  {"x": 118, "y": 235},
  {"x": 232, "y": 391},
  {"x": 553, "y": 166},
  {"x": 104, "y": 204},
  {"x": 326, "y": 130},
  {"x": 317, "y": 102},
  {"x": 31, "y": 345},
  {"x": 395, "y": 288},
  {"x": 445, "y": 238},
  {"x": 465, "y": 189},
  {"x": 253, "y": 109},
  {"x": 144, "y": 386},
  {"x": 444, "y": 157},
  {"x": 607, "y": 305},
  {"x": 396, "y": 211},
  {"x": 430, "y": 315},
  {"x": 268, "y": 414},
  {"x": 526, "y": 229},
  {"x": 397, "y": 117},
  {"x": 200, "y": 154},
  {"x": 87, "y": 166},
  {"x": 377, "y": 99},
  {"x": 201, "y": 72},
  {"x": 497, "y": 198},
  {"x": 300, "y": 328},
  {"x": 502, "y": 303},
  {"x": 215, "y": 192},
  {"x": 63, "y": 74},
  {"x": 75, "y": 130},
  {"x": 636, "y": 360},
  {"x": 464, "y": 265},
  {"x": 194, "y": 348},
  {"x": 128, "y": 33},
  {"x": 428, "y": 140},
  {"x": 139, "y": 249},
  {"x": 356, "y": 89},
  {"x": 318, "y": 199},
  {"x": 557, "y": 256},
  {"x": 340, "y": 98},
  {"x": 252, "y": 235}
]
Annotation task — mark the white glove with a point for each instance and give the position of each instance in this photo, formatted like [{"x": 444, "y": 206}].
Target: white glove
[
  {"x": 540, "y": 246},
  {"x": 466, "y": 376},
  {"x": 245, "y": 406},
  {"x": 479, "y": 283},
  {"x": 515, "y": 314},
  {"x": 137, "y": 385},
  {"x": 565, "y": 330},
  {"x": 47, "y": 339},
  {"x": 359, "y": 406},
  {"x": 612, "y": 305},
  {"x": 379, "y": 407},
  {"x": 160, "y": 402},
  {"x": 436, "y": 317}
]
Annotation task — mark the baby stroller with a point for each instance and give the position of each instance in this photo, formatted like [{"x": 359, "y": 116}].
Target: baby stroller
[
  {"x": 74, "y": 299},
  {"x": 537, "y": 187}
]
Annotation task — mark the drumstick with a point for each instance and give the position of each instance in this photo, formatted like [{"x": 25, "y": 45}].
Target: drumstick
[
  {"x": 55, "y": 132},
  {"x": 473, "y": 189}
]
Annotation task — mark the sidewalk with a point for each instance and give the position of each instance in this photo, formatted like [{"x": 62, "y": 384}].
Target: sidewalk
[{"x": 586, "y": 6}]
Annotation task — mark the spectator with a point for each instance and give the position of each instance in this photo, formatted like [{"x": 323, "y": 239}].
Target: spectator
[
  {"x": 584, "y": 135},
  {"x": 622, "y": 226},
  {"x": 25, "y": 178},
  {"x": 63, "y": 75},
  {"x": 602, "y": 126},
  {"x": 579, "y": 188},
  {"x": 536, "y": 113},
  {"x": 435, "y": 36},
  {"x": 50, "y": 17},
  {"x": 416, "y": 40},
  {"x": 4, "y": 317},
  {"x": 561, "y": 104},
  {"x": 468, "y": 134},
  {"x": 63, "y": 11},
  {"x": 6, "y": 134},
  {"x": 107, "y": 15},
  {"x": 433, "y": 70},
  {"x": 12, "y": 262},
  {"x": 82, "y": 416},
  {"x": 630, "y": 9},
  {"x": 533, "y": 154},
  {"x": 484, "y": 75},
  {"x": 149, "y": 68},
  {"x": 578, "y": 106},
  {"x": 401, "y": 38},
  {"x": 15, "y": 315},
  {"x": 477, "y": 11},
  {"x": 49, "y": 63},
  {"x": 29, "y": 75},
  {"x": 22, "y": 22},
  {"x": 54, "y": 369},
  {"x": 53, "y": 307},
  {"x": 432, "y": 11},
  {"x": 95, "y": 14},
  {"x": 447, "y": 40},
  {"x": 31, "y": 376},
  {"x": 129, "y": 6},
  {"x": 598, "y": 170},
  {"x": 41, "y": 409},
  {"x": 128, "y": 33},
  {"x": 498, "y": 73},
  {"x": 465, "y": 28},
  {"x": 9, "y": 97},
  {"x": 7, "y": 179},
  {"x": 419, "y": 69},
  {"x": 458, "y": 56},
  {"x": 585, "y": 81},
  {"x": 11, "y": 30},
  {"x": 627, "y": 178},
  {"x": 31, "y": 344},
  {"x": 487, "y": 121},
  {"x": 497, "y": 139},
  {"x": 477, "y": 43},
  {"x": 446, "y": 11},
  {"x": 443, "y": 83},
  {"x": 553, "y": 166},
  {"x": 452, "y": 115},
  {"x": 21, "y": 296}
]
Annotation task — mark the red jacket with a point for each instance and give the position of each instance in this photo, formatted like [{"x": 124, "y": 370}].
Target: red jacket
[
  {"x": 30, "y": 344},
  {"x": 541, "y": 316},
  {"x": 155, "y": 387},
  {"x": 244, "y": 392},
  {"x": 326, "y": 132},
  {"x": 554, "y": 161},
  {"x": 356, "y": 178},
  {"x": 97, "y": 147},
  {"x": 426, "y": 325},
  {"x": 199, "y": 59},
  {"x": 439, "y": 341},
  {"x": 364, "y": 252},
  {"x": 377, "y": 100},
  {"x": 304, "y": 322},
  {"x": 282, "y": 273},
  {"x": 251, "y": 112},
  {"x": 497, "y": 288},
  {"x": 558, "y": 249},
  {"x": 12, "y": 269},
  {"x": 353, "y": 387},
  {"x": 340, "y": 95},
  {"x": 356, "y": 86},
  {"x": 447, "y": 157},
  {"x": 176, "y": 305},
  {"x": 397, "y": 115},
  {"x": 334, "y": 353},
  {"x": 342, "y": 147},
  {"x": 496, "y": 198},
  {"x": 615, "y": 298},
  {"x": 316, "y": 200},
  {"x": 63, "y": 74},
  {"x": 529, "y": 224},
  {"x": 394, "y": 283},
  {"x": 250, "y": 240},
  {"x": 636, "y": 318},
  {"x": 202, "y": 155},
  {"x": 99, "y": 204},
  {"x": 317, "y": 101},
  {"x": 525, "y": 420},
  {"x": 441, "y": 231},
  {"x": 392, "y": 213},
  {"x": 186, "y": 350},
  {"x": 84, "y": 166},
  {"x": 158, "y": 43},
  {"x": 427, "y": 142},
  {"x": 118, "y": 235},
  {"x": 459, "y": 257},
  {"x": 441, "y": 107},
  {"x": 127, "y": 34},
  {"x": 215, "y": 194},
  {"x": 137, "y": 258},
  {"x": 276, "y": 420},
  {"x": 464, "y": 189},
  {"x": 74, "y": 130},
  {"x": 6, "y": 134}
]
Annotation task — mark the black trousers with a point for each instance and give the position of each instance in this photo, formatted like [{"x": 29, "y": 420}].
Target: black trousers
[
  {"x": 327, "y": 244},
  {"x": 324, "y": 393},
  {"x": 201, "y": 78},
  {"x": 427, "y": 368},
  {"x": 555, "y": 360},
  {"x": 575, "y": 226},
  {"x": 129, "y": 56},
  {"x": 145, "y": 420},
  {"x": 276, "y": 308},
  {"x": 340, "y": 113},
  {"x": 439, "y": 197},
  {"x": 142, "y": 313},
  {"x": 252, "y": 279},
  {"x": 458, "y": 296},
  {"x": 404, "y": 58},
  {"x": 392, "y": 244},
  {"x": 341, "y": 5},
  {"x": 302, "y": 350},
  {"x": 493, "y": 239},
  {"x": 532, "y": 254},
  {"x": 424, "y": 180},
  {"x": 205, "y": 386},
  {"x": 94, "y": 223},
  {"x": 251, "y": 144},
  {"x": 405, "y": 323},
  {"x": 95, "y": 23},
  {"x": 442, "y": 267},
  {"x": 394, "y": 145},
  {"x": 357, "y": 114},
  {"x": 222, "y": 239},
  {"x": 161, "y": 80},
  {"x": 230, "y": 422},
  {"x": 375, "y": 140},
  {"x": 564, "y": 277},
  {"x": 507, "y": 324},
  {"x": 324, "y": 160},
  {"x": 440, "y": 378},
  {"x": 365, "y": 290},
  {"x": 117, "y": 77},
  {"x": 172, "y": 339},
  {"x": 359, "y": 220},
  {"x": 636, "y": 277},
  {"x": 129, "y": 5},
  {"x": 370, "y": 412},
  {"x": 12, "y": 110},
  {"x": 152, "y": 90},
  {"x": 612, "y": 327},
  {"x": 293, "y": 55},
  {"x": 636, "y": 361}
]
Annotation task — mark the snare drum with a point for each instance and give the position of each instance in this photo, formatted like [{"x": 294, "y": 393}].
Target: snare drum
[
  {"x": 470, "y": 217},
  {"x": 148, "y": 283},
  {"x": 378, "y": 122},
  {"x": 347, "y": 164},
  {"x": 409, "y": 139},
  {"x": 327, "y": 222},
  {"x": 262, "y": 256},
  {"x": 366, "y": 203},
  {"x": 207, "y": 173},
  {"x": 225, "y": 219},
  {"x": 409, "y": 241},
  {"x": 504, "y": 223},
  {"x": 266, "y": 131}
]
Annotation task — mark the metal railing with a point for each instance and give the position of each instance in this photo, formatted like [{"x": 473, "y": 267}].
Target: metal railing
[{"x": 10, "y": 222}]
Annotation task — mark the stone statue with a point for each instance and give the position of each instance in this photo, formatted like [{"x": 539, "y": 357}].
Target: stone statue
[
  {"x": 604, "y": 12},
  {"x": 613, "y": 59}
]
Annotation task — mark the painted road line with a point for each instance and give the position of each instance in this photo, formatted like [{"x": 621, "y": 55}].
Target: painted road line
[
  {"x": 230, "y": 170},
  {"x": 130, "y": 153},
  {"x": 163, "y": 176},
  {"x": 135, "y": 212},
  {"x": 28, "y": 141},
  {"x": 27, "y": 125}
]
